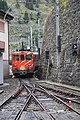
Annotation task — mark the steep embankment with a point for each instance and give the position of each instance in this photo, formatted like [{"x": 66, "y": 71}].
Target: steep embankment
[
  {"x": 70, "y": 32},
  {"x": 26, "y": 14}
]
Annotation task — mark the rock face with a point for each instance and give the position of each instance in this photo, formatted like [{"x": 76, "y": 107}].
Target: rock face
[{"x": 69, "y": 71}]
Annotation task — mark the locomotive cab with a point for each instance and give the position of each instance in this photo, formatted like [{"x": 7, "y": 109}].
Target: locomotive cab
[{"x": 22, "y": 63}]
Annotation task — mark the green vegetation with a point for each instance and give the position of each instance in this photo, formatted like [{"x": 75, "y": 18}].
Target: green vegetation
[
  {"x": 17, "y": 4},
  {"x": 29, "y": 4},
  {"x": 64, "y": 2},
  {"x": 27, "y": 15},
  {"x": 3, "y": 5}
]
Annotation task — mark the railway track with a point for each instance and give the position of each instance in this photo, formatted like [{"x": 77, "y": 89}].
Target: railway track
[
  {"x": 70, "y": 95},
  {"x": 61, "y": 88},
  {"x": 33, "y": 102}
]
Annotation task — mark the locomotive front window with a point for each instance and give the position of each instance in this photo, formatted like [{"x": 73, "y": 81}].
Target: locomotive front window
[
  {"x": 16, "y": 57},
  {"x": 28, "y": 57},
  {"x": 22, "y": 57}
]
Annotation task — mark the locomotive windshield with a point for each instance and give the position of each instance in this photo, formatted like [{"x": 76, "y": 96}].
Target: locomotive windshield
[
  {"x": 22, "y": 57},
  {"x": 16, "y": 57},
  {"x": 33, "y": 49},
  {"x": 28, "y": 57}
]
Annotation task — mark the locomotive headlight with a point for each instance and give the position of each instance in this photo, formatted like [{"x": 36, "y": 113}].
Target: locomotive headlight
[
  {"x": 22, "y": 68},
  {"x": 15, "y": 65},
  {"x": 29, "y": 64}
]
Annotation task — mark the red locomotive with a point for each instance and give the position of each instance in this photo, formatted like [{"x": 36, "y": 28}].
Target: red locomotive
[{"x": 24, "y": 62}]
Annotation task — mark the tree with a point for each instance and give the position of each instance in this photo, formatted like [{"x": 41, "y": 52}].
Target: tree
[
  {"x": 20, "y": 19},
  {"x": 17, "y": 4},
  {"x": 38, "y": 15},
  {"x": 26, "y": 17},
  {"x": 29, "y": 4},
  {"x": 31, "y": 16},
  {"x": 3, "y": 5},
  {"x": 53, "y": 1}
]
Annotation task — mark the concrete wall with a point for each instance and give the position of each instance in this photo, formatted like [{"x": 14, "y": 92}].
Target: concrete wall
[
  {"x": 4, "y": 38},
  {"x": 1, "y": 69}
]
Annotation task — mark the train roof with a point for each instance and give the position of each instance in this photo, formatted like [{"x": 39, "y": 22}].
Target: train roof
[
  {"x": 22, "y": 52},
  {"x": 35, "y": 53}
]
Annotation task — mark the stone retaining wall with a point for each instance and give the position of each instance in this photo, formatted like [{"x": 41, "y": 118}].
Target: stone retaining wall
[{"x": 70, "y": 32}]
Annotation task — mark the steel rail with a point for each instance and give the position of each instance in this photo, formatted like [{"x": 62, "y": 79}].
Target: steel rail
[
  {"x": 67, "y": 99},
  {"x": 67, "y": 93},
  {"x": 25, "y": 105},
  {"x": 64, "y": 87},
  {"x": 57, "y": 98},
  {"x": 18, "y": 91},
  {"x": 36, "y": 80},
  {"x": 42, "y": 106},
  {"x": 64, "y": 98},
  {"x": 6, "y": 101},
  {"x": 11, "y": 97}
]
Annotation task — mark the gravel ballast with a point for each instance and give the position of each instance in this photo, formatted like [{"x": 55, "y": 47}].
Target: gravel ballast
[{"x": 8, "y": 87}]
